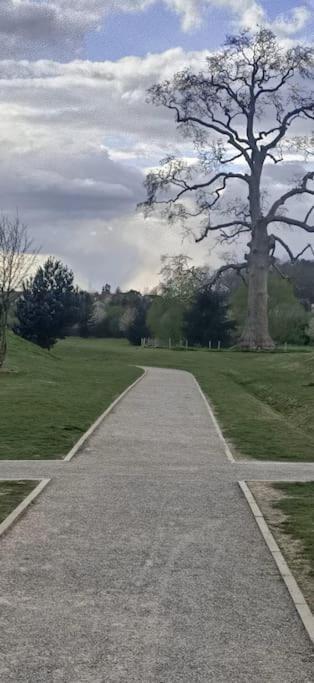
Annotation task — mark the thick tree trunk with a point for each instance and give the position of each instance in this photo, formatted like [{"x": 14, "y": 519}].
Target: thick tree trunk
[{"x": 256, "y": 333}]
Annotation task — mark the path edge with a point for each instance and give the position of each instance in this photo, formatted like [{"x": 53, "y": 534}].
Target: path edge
[
  {"x": 22, "y": 507},
  {"x": 296, "y": 594},
  {"x": 81, "y": 442},
  {"x": 227, "y": 449}
]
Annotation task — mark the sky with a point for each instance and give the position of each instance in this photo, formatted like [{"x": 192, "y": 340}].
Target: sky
[{"x": 77, "y": 135}]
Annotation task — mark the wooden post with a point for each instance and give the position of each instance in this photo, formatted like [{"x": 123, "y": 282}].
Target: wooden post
[
  {"x": 209, "y": 345},
  {"x": 186, "y": 344},
  {"x": 169, "y": 342},
  {"x": 219, "y": 345}
]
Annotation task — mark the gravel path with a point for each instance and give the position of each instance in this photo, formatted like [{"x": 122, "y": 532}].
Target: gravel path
[{"x": 141, "y": 561}]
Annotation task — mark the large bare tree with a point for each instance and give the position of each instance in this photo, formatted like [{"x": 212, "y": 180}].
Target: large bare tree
[
  {"x": 242, "y": 113},
  {"x": 16, "y": 258}
]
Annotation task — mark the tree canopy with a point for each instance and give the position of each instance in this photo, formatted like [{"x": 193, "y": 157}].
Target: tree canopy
[
  {"x": 239, "y": 113},
  {"x": 288, "y": 319},
  {"x": 16, "y": 258},
  {"x": 47, "y": 304},
  {"x": 208, "y": 320}
]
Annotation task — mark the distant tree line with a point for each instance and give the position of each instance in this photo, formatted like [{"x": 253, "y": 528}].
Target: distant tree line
[{"x": 184, "y": 306}]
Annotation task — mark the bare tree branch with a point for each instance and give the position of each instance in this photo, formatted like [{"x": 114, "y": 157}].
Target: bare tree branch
[
  {"x": 221, "y": 226},
  {"x": 306, "y": 109},
  {"x": 154, "y": 181},
  {"x": 232, "y": 236},
  {"x": 293, "y": 257},
  {"x": 308, "y": 214},
  {"x": 293, "y": 221},
  {"x": 200, "y": 186},
  {"x": 276, "y": 160},
  {"x": 268, "y": 91},
  {"x": 16, "y": 258},
  {"x": 238, "y": 267},
  {"x": 215, "y": 125},
  {"x": 279, "y": 271},
  {"x": 302, "y": 188}
]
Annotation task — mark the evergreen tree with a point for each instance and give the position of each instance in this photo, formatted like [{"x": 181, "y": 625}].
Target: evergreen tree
[
  {"x": 137, "y": 329},
  {"x": 47, "y": 305},
  {"x": 207, "y": 319}
]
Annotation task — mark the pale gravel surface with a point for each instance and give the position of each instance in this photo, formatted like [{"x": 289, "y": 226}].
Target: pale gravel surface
[{"x": 141, "y": 561}]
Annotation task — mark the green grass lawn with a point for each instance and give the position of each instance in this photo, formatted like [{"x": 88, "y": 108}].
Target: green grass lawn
[
  {"x": 264, "y": 402},
  {"x": 11, "y": 495},
  {"x": 297, "y": 506},
  {"x": 48, "y": 400},
  {"x": 289, "y": 510}
]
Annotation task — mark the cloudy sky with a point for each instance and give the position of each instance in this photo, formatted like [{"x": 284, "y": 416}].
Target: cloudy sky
[{"x": 76, "y": 133}]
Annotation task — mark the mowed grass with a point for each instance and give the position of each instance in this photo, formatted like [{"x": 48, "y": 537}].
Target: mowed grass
[
  {"x": 264, "y": 402},
  {"x": 289, "y": 509},
  {"x": 11, "y": 495},
  {"x": 48, "y": 400},
  {"x": 298, "y": 508}
]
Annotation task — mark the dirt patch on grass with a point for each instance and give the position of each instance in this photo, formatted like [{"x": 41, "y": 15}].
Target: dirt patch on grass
[{"x": 267, "y": 498}]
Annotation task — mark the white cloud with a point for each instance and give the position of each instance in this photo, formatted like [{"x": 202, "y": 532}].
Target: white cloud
[
  {"x": 50, "y": 28},
  {"x": 246, "y": 12},
  {"x": 292, "y": 22},
  {"x": 75, "y": 139},
  {"x": 136, "y": 245},
  {"x": 87, "y": 104},
  {"x": 68, "y": 136}
]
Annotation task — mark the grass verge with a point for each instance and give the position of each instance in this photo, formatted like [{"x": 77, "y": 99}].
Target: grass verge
[
  {"x": 289, "y": 511},
  {"x": 48, "y": 400},
  {"x": 264, "y": 402},
  {"x": 11, "y": 495}
]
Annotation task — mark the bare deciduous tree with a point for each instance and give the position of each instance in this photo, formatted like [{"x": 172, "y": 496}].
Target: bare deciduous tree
[
  {"x": 239, "y": 115},
  {"x": 16, "y": 258}
]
